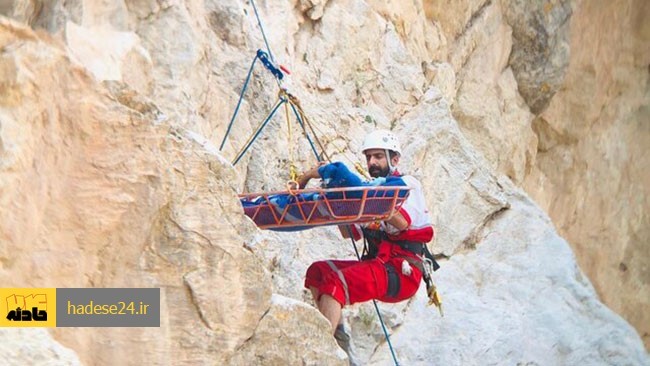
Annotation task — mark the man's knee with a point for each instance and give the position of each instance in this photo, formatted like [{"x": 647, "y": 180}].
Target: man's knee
[
  {"x": 326, "y": 280},
  {"x": 315, "y": 270},
  {"x": 312, "y": 270}
]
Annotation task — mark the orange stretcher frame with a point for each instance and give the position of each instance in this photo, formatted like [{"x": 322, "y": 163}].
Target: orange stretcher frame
[{"x": 346, "y": 208}]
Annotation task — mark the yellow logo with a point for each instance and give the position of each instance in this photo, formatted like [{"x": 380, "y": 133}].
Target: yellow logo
[{"x": 27, "y": 307}]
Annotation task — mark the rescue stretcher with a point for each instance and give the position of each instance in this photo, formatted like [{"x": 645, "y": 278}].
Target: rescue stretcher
[{"x": 308, "y": 208}]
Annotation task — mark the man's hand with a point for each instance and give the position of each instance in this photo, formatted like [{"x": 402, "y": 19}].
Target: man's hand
[
  {"x": 398, "y": 221},
  {"x": 305, "y": 177}
]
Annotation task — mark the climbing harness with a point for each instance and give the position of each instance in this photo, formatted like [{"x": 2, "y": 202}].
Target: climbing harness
[{"x": 425, "y": 261}]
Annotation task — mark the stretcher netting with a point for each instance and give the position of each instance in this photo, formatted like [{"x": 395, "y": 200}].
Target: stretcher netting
[{"x": 304, "y": 209}]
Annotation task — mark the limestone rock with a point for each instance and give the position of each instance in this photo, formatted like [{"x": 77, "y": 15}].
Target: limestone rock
[
  {"x": 227, "y": 21},
  {"x": 121, "y": 200},
  {"x": 497, "y": 121},
  {"x": 488, "y": 107},
  {"x": 545, "y": 313},
  {"x": 24, "y": 11},
  {"x": 20, "y": 346},
  {"x": 438, "y": 154},
  {"x": 540, "y": 50},
  {"x": 110, "y": 55},
  {"x": 291, "y": 332},
  {"x": 423, "y": 39},
  {"x": 592, "y": 168},
  {"x": 601, "y": 88},
  {"x": 455, "y": 17},
  {"x": 313, "y": 9},
  {"x": 442, "y": 76},
  {"x": 366, "y": 331}
]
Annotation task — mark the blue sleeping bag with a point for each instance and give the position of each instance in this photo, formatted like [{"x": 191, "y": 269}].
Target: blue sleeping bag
[{"x": 337, "y": 175}]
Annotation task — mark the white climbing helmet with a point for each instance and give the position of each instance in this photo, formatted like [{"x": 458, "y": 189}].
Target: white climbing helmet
[{"x": 381, "y": 139}]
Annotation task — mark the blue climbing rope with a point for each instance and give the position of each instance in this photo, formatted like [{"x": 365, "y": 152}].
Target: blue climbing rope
[
  {"x": 259, "y": 22},
  {"x": 383, "y": 327},
  {"x": 313, "y": 148},
  {"x": 280, "y": 102},
  {"x": 270, "y": 65},
  {"x": 381, "y": 320},
  {"x": 241, "y": 97},
  {"x": 263, "y": 57}
]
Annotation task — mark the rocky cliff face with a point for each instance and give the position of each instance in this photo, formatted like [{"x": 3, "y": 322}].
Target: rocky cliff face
[
  {"x": 107, "y": 194},
  {"x": 591, "y": 173},
  {"x": 109, "y": 116}
]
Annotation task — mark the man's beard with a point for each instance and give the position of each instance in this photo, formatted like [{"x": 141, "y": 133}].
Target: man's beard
[{"x": 377, "y": 172}]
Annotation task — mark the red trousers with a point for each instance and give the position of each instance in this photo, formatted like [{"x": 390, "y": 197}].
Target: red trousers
[{"x": 351, "y": 281}]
